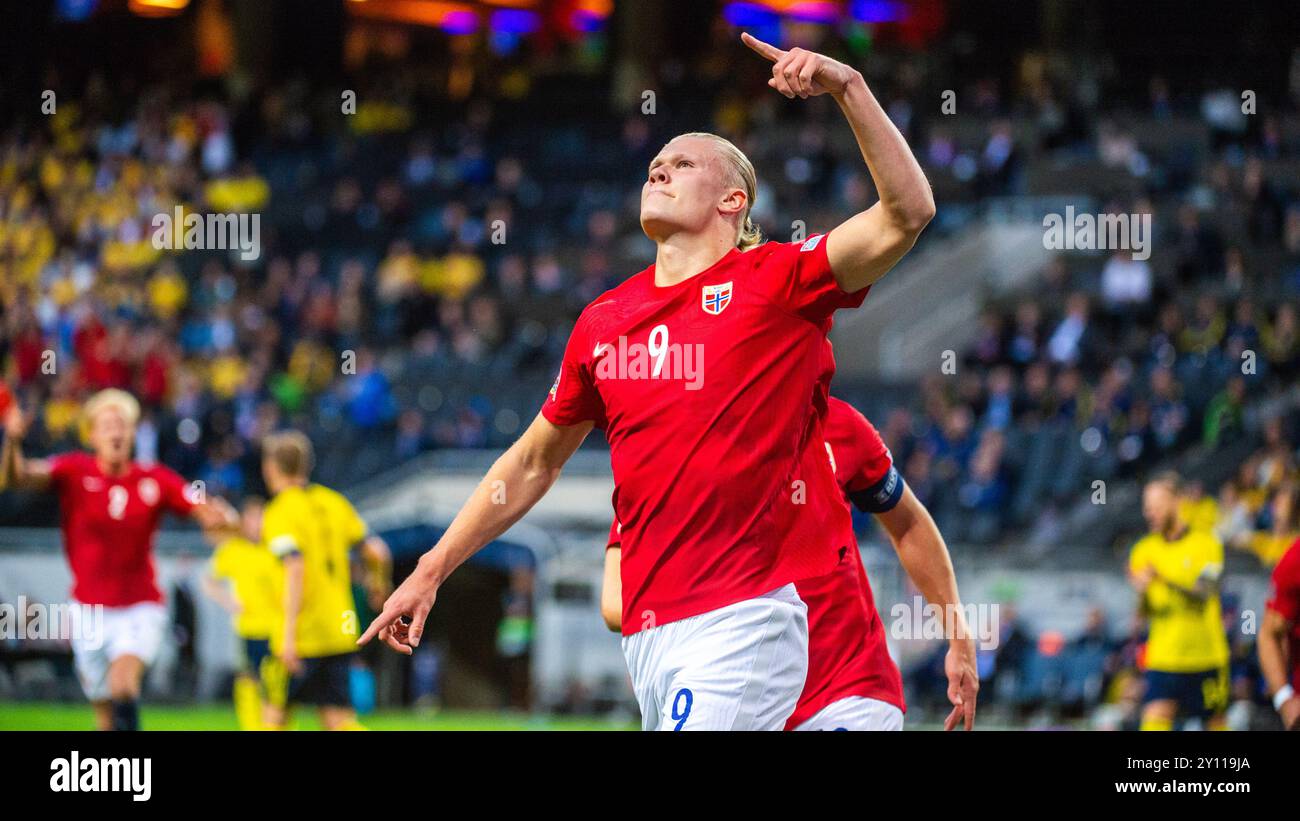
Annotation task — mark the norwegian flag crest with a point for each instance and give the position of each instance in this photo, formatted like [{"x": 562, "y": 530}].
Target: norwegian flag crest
[{"x": 715, "y": 298}]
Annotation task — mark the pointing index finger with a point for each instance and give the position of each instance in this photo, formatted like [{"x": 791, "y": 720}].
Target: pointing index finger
[
  {"x": 381, "y": 622},
  {"x": 768, "y": 50}
]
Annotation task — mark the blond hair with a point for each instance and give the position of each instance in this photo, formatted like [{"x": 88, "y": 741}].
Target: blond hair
[
  {"x": 291, "y": 452},
  {"x": 124, "y": 402},
  {"x": 740, "y": 173}
]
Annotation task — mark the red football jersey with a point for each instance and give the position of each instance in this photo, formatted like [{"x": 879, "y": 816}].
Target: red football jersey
[
  {"x": 1285, "y": 600},
  {"x": 847, "y": 652},
  {"x": 109, "y": 524},
  {"x": 710, "y": 393}
]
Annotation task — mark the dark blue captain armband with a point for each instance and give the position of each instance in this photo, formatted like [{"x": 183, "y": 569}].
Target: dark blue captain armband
[{"x": 881, "y": 497}]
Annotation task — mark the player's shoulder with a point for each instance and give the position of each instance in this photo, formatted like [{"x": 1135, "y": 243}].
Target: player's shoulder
[
  {"x": 1288, "y": 567},
  {"x": 776, "y": 252},
  {"x": 222, "y": 553},
  {"x": 157, "y": 470},
  {"x": 618, "y": 300},
  {"x": 73, "y": 461},
  {"x": 1143, "y": 544},
  {"x": 1203, "y": 540},
  {"x": 328, "y": 495},
  {"x": 843, "y": 413},
  {"x": 286, "y": 500},
  {"x": 847, "y": 422}
]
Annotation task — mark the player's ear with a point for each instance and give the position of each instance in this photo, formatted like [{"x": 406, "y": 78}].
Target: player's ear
[{"x": 733, "y": 201}]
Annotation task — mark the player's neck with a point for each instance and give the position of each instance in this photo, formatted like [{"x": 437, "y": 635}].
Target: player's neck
[
  {"x": 112, "y": 468},
  {"x": 681, "y": 256},
  {"x": 1175, "y": 532},
  {"x": 290, "y": 483}
]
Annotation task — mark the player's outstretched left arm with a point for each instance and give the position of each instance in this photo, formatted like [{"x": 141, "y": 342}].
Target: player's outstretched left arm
[
  {"x": 515, "y": 483},
  {"x": 217, "y": 517},
  {"x": 924, "y": 556},
  {"x": 866, "y": 246}
]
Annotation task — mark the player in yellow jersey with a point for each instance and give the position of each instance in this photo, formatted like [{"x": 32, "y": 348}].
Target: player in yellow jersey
[
  {"x": 243, "y": 577},
  {"x": 312, "y": 530},
  {"x": 1176, "y": 570}
]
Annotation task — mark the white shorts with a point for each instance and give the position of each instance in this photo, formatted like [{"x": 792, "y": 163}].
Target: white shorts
[
  {"x": 740, "y": 667},
  {"x": 855, "y": 713},
  {"x": 135, "y": 630}
]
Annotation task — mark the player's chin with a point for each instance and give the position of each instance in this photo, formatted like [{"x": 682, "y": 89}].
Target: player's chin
[{"x": 658, "y": 222}]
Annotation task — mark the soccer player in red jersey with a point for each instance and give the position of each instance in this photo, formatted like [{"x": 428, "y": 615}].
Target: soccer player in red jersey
[
  {"x": 853, "y": 684},
  {"x": 1279, "y": 640},
  {"x": 705, "y": 372},
  {"x": 110, "y": 508}
]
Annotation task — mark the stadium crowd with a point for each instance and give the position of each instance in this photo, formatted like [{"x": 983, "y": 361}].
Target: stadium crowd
[
  {"x": 395, "y": 248},
  {"x": 402, "y": 256}
]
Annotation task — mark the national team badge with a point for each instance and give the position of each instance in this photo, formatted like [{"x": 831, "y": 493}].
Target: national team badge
[
  {"x": 149, "y": 491},
  {"x": 716, "y": 298}
]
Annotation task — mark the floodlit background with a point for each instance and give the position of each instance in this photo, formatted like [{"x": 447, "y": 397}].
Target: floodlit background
[{"x": 446, "y": 228}]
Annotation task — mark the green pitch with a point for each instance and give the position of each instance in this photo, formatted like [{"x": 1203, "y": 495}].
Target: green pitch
[{"x": 38, "y": 716}]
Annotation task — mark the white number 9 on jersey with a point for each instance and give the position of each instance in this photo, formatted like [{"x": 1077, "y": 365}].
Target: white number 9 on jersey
[
  {"x": 658, "y": 347},
  {"x": 118, "y": 496}
]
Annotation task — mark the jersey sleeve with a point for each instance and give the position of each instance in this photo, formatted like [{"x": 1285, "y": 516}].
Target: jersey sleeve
[
  {"x": 1284, "y": 598},
  {"x": 875, "y": 485},
  {"x": 278, "y": 530},
  {"x": 64, "y": 466},
  {"x": 573, "y": 398},
  {"x": 615, "y": 535},
  {"x": 1137, "y": 558},
  {"x": 797, "y": 276},
  {"x": 175, "y": 491},
  {"x": 355, "y": 526}
]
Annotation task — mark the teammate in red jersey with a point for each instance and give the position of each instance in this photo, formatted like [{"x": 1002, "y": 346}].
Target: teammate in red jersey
[
  {"x": 110, "y": 508},
  {"x": 705, "y": 372},
  {"x": 853, "y": 684},
  {"x": 1279, "y": 640}
]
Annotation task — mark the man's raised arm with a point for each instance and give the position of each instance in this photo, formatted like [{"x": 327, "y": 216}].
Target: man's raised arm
[
  {"x": 868, "y": 244},
  {"x": 16, "y": 471},
  {"x": 516, "y": 482}
]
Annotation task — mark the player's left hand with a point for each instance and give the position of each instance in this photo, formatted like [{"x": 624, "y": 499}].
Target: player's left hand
[
  {"x": 216, "y": 513},
  {"x": 401, "y": 623},
  {"x": 963, "y": 684},
  {"x": 802, "y": 73},
  {"x": 1290, "y": 713}
]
